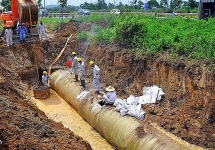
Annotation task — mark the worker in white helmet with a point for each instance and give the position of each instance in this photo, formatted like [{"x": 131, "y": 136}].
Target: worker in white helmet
[
  {"x": 96, "y": 76},
  {"x": 22, "y": 33},
  {"x": 75, "y": 65},
  {"x": 81, "y": 71},
  {"x": 45, "y": 78},
  {"x": 8, "y": 35}
]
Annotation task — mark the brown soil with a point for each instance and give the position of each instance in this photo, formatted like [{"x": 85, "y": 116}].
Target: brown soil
[{"x": 187, "y": 110}]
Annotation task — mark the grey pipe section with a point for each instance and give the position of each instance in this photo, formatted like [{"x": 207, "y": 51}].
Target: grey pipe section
[{"x": 119, "y": 131}]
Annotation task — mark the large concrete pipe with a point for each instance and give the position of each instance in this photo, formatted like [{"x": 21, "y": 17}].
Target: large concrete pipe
[{"x": 123, "y": 132}]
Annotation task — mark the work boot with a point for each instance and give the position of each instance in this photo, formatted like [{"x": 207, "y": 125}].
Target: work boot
[
  {"x": 102, "y": 102},
  {"x": 97, "y": 92},
  {"x": 76, "y": 78},
  {"x": 83, "y": 83}
]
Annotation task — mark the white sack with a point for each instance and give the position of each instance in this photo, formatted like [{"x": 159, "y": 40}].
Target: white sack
[{"x": 151, "y": 94}]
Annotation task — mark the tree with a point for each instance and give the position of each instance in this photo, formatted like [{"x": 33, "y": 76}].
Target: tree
[
  {"x": 175, "y": 4},
  {"x": 193, "y": 4},
  {"x": 101, "y": 4},
  {"x": 39, "y": 2},
  {"x": 63, "y": 3},
  {"x": 164, "y": 3},
  {"x": 110, "y": 6},
  {"x": 6, "y": 4},
  {"x": 140, "y": 4},
  {"x": 153, "y": 3},
  {"x": 85, "y": 5},
  {"x": 134, "y": 4}
]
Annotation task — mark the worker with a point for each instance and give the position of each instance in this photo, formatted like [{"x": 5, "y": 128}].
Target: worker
[
  {"x": 75, "y": 65},
  {"x": 22, "y": 33},
  {"x": 96, "y": 76},
  {"x": 45, "y": 78},
  {"x": 42, "y": 30},
  {"x": 110, "y": 97},
  {"x": 9, "y": 34},
  {"x": 81, "y": 71}
]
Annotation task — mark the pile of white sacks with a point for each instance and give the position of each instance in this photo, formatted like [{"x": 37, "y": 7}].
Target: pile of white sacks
[{"x": 132, "y": 105}]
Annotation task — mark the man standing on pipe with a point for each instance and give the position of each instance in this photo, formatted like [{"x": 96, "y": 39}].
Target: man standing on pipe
[
  {"x": 75, "y": 65},
  {"x": 96, "y": 76},
  {"x": 81, "y": 71}
]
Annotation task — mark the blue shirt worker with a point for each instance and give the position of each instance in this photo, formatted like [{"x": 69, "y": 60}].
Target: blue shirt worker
[
  {"x": 81, "y": 71},
  {"x": 110, "y": 97},
  {"x": 45, "y": 78},
  {"x": 96, "y": 76},
  {"x": 75, "y": 65},
  {"x": 22, "y": 33}
]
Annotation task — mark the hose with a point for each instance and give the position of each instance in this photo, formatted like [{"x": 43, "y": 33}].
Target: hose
[
  {"x": 29, "y": 9},
  {"x": 59, "y": 55},
  {"x": 36, "y": 63}
]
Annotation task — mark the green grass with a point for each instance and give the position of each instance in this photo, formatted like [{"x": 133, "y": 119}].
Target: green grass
[
  {"x": 53, "y": 23},
  {"x": 179, "y": 36},
  {"x": 94, "y": 17}
]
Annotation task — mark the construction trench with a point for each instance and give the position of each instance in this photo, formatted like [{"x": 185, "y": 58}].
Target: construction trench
[{"x": 183, "y": 119}]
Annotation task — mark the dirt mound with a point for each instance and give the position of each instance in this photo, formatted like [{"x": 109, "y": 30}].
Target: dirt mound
[{"x": 23, "y": 126}]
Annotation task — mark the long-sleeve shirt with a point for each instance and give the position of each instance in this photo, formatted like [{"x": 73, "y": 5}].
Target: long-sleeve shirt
[
  {"x": 8, "y": 32},
  {"x": 45, "y": 79},
  {"x": 75, "y": 62},
  {"x": 42, "y": 28},
  {"x": 22, "y": 30},
  {"x": 82, "y": 68},
  {"x": 96, "y": 71},
  {"x": 111, "y": 95}
]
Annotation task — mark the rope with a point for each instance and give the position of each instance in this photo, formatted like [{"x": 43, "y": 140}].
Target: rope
[
  {"x": 59, "y": 55},
  {"x": 36, "y": 63},
  {"x": 29, "y": 8}
]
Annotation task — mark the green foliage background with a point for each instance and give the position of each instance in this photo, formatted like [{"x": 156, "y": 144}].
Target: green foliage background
[{"x": 185, "y": 37}]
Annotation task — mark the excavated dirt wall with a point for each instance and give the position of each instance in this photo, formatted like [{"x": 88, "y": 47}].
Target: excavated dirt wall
[{"x": 188, "y": 107}]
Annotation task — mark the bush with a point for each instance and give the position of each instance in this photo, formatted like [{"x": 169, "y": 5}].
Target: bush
[
  {"x": 181, "y": 10},
  {"x": 130, "y": 31},
  {"x": 187, "y": 8},
  {"x": 105, "y": 36},
  {"x": 194, "y": 10},
  {"x": 82, "y": 36}
]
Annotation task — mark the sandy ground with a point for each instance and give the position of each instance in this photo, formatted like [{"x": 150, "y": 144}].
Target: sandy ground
[{"x": 59, "y": 110}]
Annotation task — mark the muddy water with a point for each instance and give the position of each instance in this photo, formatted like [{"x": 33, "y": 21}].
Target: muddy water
[{"x": 59, "y": 110}]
